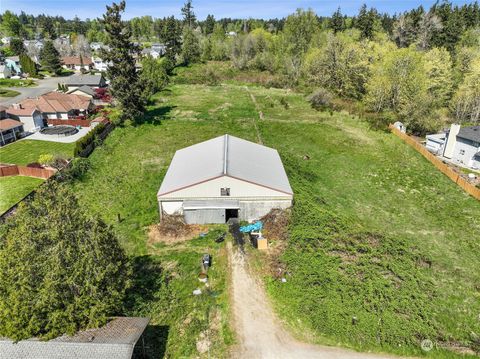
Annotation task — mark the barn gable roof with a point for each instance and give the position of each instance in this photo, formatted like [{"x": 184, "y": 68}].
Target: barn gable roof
[{"x": 226, "y": 156}]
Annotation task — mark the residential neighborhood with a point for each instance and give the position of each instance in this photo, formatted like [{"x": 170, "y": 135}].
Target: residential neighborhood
[{"x": 239, "y": 180}]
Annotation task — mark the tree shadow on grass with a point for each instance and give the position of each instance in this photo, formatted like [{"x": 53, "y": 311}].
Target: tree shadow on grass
[
  {"x": 155, "y": 115},
  {"x": 149, "y": 280}
]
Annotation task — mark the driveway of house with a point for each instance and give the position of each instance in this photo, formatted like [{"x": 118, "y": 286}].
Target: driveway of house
[
  {"x": 259, "y": 331},
  {"x": 44, "y": 86},
  {"x": 63, "y": 139}
]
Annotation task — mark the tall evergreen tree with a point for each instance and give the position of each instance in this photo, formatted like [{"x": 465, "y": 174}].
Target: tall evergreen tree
[
  {"x": 337, "y": 22},
  {"x": 17, "y": 47},
  {"x": 28, "y": 66},
  {"x": 366, "y": 22},
  {"x": 209, "y": 24},
  {"x": 190, "y": 47},
  {"x": 61, "y": 269},
  {"x": 50, "y": 58},
  {"x": 172, "y": 39},
  {"x": 188, "y": 14},
  {"x": 125, "y": 85},
  {"x": 49, "y": 28}
]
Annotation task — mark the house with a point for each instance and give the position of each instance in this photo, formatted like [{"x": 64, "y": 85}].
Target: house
[
  {"x": 10, "y": 130},
  {"x": 151, "y": 52},
  {"x": 462, "y": 146},
  {"x": 37, "y": 44},
  {"x": 5, "y": 72},
  {"x": 13, "y": 62},
  {"x": 30, "y": 117},
  {"x": 59, "y": 106},
  {"x": 116, "y": 340},
  {"x": 95, "y": 46},
  {"x": 94, "y": 81},
  {"x": 222, "y": 178},
  {"x": 84, "y": 90},
  {"x": 77, "y": 63},
  {"x": 99, "y": 64},
  {"x": 459, "y": 145}
]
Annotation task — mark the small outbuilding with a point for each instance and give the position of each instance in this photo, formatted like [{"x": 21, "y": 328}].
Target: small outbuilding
[{"x": 222, "y": 178}]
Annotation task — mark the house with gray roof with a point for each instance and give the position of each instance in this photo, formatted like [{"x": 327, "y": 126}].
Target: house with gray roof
[
  {"x": 94, "y": 81},
  {"x": 460, "y": 145},
  {"x": 115, "y": 340},
  {"x": 222, "y": 178}
]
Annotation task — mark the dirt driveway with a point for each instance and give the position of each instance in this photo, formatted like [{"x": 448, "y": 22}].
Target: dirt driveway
[{"x": 259, "y": 332}]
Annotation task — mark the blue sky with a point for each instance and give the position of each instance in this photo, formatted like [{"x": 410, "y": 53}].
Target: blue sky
[{"x": 226, "y": 8}]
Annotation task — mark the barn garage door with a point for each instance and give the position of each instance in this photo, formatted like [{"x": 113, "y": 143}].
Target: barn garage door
[{"x": 203, "y": 212}]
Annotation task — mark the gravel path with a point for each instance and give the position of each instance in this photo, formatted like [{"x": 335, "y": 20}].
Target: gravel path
[{"x": 259, "y": 332}]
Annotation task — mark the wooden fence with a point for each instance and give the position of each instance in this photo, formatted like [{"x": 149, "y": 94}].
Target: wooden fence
[
  {"x": 15, "y": 170},
  {"x": 83, "y": 123},
  {"x": 444, "y": 168}
]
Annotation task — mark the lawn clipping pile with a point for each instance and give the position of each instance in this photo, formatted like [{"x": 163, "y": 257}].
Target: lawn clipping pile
[{"x": 381, "y": 250}]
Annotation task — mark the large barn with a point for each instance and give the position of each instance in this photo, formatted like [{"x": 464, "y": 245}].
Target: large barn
[{"x": 222, "y": 178}]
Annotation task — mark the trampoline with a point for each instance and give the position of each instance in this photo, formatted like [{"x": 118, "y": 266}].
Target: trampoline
[{"x": 62, "y": 130}]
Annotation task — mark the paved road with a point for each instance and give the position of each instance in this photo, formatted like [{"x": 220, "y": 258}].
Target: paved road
[
  {"x": 44, "y": 86},
  {"x": 260, "y": 333}
]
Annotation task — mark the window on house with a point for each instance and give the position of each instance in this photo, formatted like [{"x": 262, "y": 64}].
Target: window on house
[
  {"x": 225, "y": 191},
  {"x": 462, "y": 152}
]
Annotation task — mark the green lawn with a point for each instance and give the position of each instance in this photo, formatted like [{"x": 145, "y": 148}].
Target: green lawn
[
  {"x": 26, "y": 151},
  {"x": 17, "y": 83},
  {"x": 377, "y": 232},
  {"x": 14, "y": 188},
  {"x": 8, "y": 93}
]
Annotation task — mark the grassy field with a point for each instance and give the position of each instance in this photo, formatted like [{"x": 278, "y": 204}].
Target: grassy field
[
  {"x": 13, "y": 188},
  {"x": 27, "y": 151},
  {"x": 382, "y": 251}
]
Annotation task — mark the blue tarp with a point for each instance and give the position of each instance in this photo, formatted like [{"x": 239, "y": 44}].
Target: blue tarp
[{"x": 254, "y": 227}]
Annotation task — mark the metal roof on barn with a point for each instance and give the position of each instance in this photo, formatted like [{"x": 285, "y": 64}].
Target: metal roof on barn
[{"x": 226, "y": 156}]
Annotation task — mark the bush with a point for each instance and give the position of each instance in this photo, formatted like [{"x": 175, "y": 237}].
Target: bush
[
  {"x": 320, "y": 99},
  {"x": 45, "y": 159},
  {"x": 89, "y": 138}
]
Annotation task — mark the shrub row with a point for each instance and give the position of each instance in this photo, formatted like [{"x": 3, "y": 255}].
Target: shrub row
[{"x": 88, "y": 139}]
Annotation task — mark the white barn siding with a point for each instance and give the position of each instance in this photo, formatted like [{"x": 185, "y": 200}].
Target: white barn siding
[
  {"x": 254, "y": 201},
  {"x": 238, "y": 188}
]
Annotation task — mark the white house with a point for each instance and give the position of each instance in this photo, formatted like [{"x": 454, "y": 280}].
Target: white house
[
  {"x": 95, "y": 46},
  {"x": 222, "y": 178},
  {"x": 99, "y": 64},
  {"x": 463, "y": 146},
  {"x": 460, "y": 145}
]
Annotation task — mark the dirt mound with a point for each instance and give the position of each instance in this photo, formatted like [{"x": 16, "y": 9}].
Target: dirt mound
[
  {"x": 275, "y": 224},
  {"x": 173, "y": 229}
]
